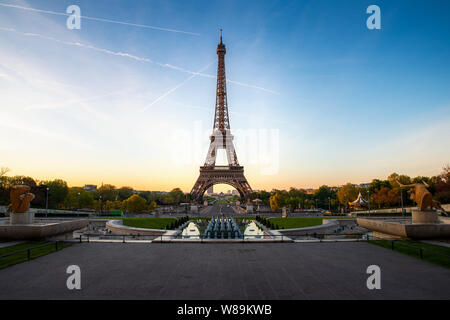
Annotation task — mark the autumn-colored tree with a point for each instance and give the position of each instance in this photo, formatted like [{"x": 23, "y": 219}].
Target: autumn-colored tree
[
  {"x": 386, "y": 197},
  {"x": 347, "y": 193},
  {"x": 377, "y": 184},
  {"x": 277, "y": 201},
  {"x": 152, "y": 206},
  {"x": 136, "y": 204}
]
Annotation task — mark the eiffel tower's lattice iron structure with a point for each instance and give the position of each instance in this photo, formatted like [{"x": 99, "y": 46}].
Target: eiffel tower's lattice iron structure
[{"x": 221, "y": 138}]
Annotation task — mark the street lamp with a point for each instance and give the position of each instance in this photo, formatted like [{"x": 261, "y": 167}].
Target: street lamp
[
  {"x": 345, "y": 203},
  {"x": 329, "y": 204},
  {"x": 100, "y": 204},
  {"x": 316, "y": 203},
  {"x": 368, "y": 199},
  {"x": 78, "y": 201},
  {"x": 46, "y": 203}
]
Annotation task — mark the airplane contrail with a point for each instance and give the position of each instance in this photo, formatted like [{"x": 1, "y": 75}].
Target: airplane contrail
[
  {"x": 175, "y": 88},
  {"x": 134, "y": 57},
  {"x": 99, "y": 19}
]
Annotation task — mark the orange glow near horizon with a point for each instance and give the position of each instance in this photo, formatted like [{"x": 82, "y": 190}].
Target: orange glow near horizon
[{"x": 159, "y": 180}]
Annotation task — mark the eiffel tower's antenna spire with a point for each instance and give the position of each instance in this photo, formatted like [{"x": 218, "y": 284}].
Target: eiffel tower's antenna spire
[{"x": 221, "y": 120}]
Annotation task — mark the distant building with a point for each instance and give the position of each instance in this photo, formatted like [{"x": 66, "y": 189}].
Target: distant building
[
  {"x": 90, "y": 187},
  {"x": 234, "y": 192},
  {"x": 210, "y": 190},
  {"x": 364, "y": 185},
  {"x": 310, "y": 191}
]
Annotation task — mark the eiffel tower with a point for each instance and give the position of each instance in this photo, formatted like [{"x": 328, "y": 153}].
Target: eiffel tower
[{"x": 221, "y": 138}]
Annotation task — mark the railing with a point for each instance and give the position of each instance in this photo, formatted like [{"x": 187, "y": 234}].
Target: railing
[
  {"x": 114, "y": 238},
  {"x": 29, "y": 250},
  {"x": 420, "y": 250},
  {"x": 201, "y": 238}
]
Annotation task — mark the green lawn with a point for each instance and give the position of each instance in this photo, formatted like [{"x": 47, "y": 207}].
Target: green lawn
[
  {"x": 148, "y": 223},
  {"x": 299, "y": 222},
  {"x": 23, "y": 256},
  {"x": 431, "y": 253}
]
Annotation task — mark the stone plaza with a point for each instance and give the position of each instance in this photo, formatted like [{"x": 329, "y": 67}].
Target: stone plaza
[{"x": 225, "y": 271}]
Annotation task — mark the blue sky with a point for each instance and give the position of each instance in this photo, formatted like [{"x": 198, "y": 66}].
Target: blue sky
[{"x": 120, "y": 104}]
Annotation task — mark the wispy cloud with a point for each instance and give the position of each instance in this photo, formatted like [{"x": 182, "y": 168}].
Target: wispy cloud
[
  {"x": 99, "y": 19},
  {"x": 134, "y": 57},
  {"x": 74, "y": 101},
  {"x": 18, "y": 124}
]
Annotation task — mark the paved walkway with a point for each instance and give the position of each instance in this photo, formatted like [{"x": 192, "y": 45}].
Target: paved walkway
[{"x": 225, "y": 271}]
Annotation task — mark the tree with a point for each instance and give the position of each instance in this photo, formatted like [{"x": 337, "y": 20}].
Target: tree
[
  {"x": 152, "y": 206},
  {"x": 136, "y": 204},
  {"x": 107, "y": 192},
  {"x": 377, "y": 184},
  {"x": 386, "y": 197},
  {"x": 293, "y": 203},
  {"x": 79, "y": 198},
  {"x": 21, "y": 180},
  {"x": 347, "y": 193},
  {"x": 3, "y": 172},
  {"x": 124, "y": 193},
  {"x": 175, "y": 196},
  {"x": 57, "y": 193},
  {"x": 277, "y": 201},
  {"x": 442, "y": 186},
  {"x": 402, "y": 178},
  {"x": 322, "y": 194},
  {"x": 4, "y": 194},
  {"x": 262, "y": 195}
]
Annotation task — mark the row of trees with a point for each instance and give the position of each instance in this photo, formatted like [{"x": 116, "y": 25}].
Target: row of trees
[
  {"x": 267, "y": 223},
  {"x": 381, "y": 193},
  {"x": 56, "y": 194}
]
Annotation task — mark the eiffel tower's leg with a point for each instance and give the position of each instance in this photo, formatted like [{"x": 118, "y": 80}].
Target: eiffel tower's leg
[
  {"x": 211, "y": 156},
  {"x": 231, "y": 154}
]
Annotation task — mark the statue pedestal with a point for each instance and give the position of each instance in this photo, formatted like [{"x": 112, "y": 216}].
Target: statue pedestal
[
  {"x": 21, "y": 218},
  {"x": 424, "y": 217},
  {"x": 283, "y": 213},
  {"x": 249, "y": 208}
]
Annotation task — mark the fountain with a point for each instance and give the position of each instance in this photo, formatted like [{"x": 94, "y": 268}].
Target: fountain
[
  {"x": 22, "y": 225},
  {"x": 191, "y": 231},
  {"x": 424, "y": 224},
  {"x": 253, "y": 231},
  {"x": 222, "y": 228}
]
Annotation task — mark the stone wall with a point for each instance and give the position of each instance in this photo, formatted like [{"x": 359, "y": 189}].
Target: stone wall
[
  {"x": 327, "y": 226},
  {"x": 116, "y": 227}
]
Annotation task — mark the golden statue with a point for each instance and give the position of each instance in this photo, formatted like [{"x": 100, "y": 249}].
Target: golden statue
[
  {"x": 419, "y": 193},
  {"x": 20, "y": 199}
]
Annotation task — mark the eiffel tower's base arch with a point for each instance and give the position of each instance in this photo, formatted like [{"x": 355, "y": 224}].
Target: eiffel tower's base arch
[{"x": 230, "y": 175}]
